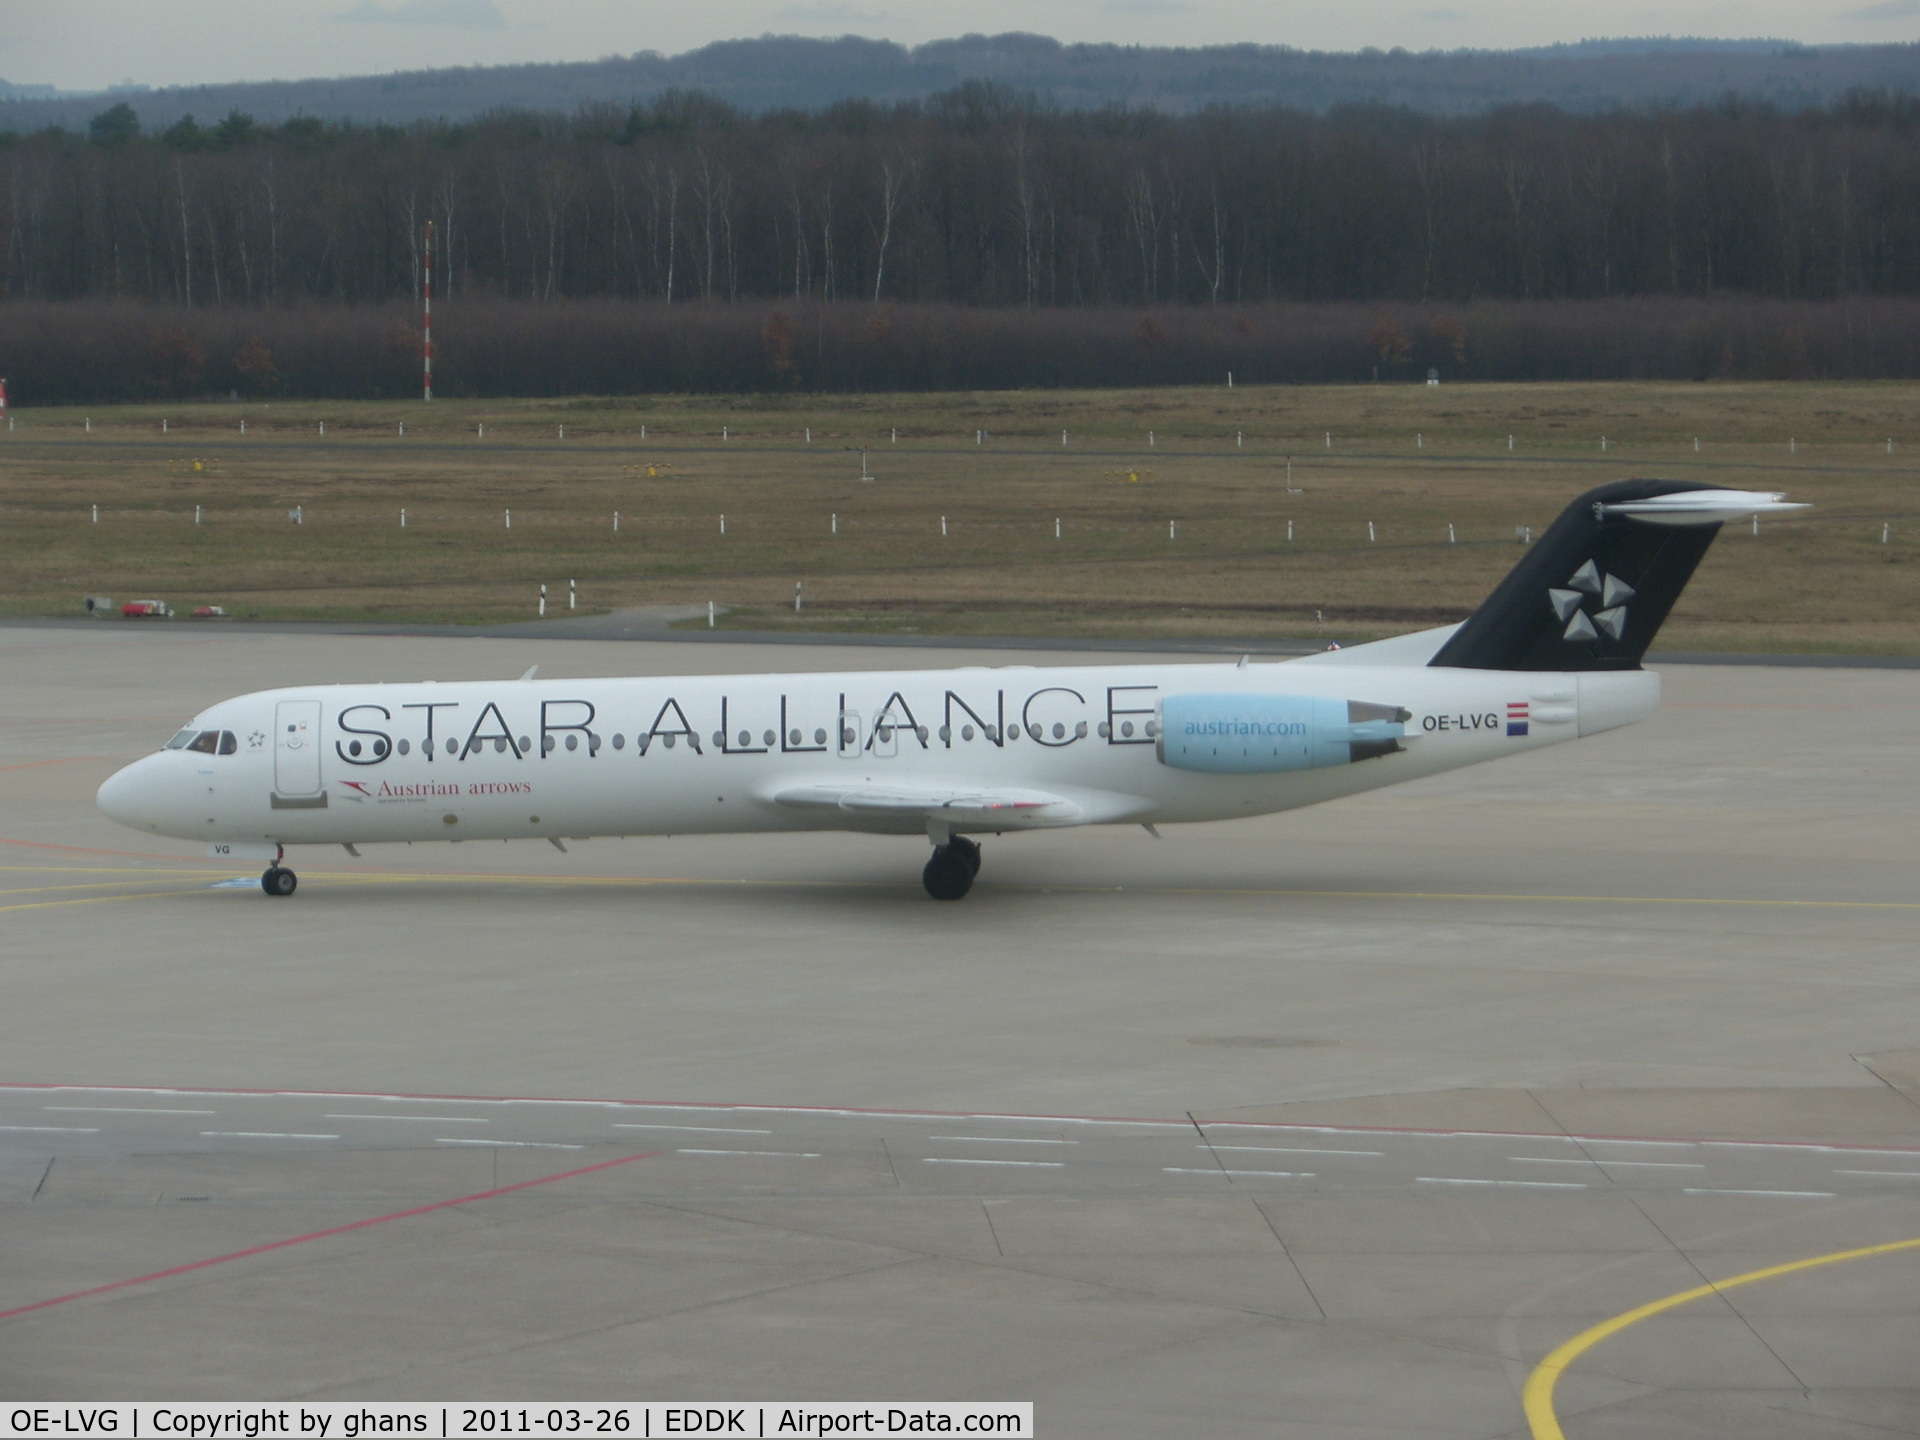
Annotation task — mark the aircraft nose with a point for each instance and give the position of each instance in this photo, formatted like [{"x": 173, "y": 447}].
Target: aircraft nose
[{"x": 132, "y": 795}]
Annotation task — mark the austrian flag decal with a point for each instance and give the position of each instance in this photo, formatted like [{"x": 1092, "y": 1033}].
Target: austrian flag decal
[{"x": 1516, "y": 717}]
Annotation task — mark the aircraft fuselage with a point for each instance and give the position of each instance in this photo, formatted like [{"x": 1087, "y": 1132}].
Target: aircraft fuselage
[{"x": 887, "y": 752}]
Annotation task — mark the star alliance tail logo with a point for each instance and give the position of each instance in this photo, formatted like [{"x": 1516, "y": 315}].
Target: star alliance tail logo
[{"x": 1592, "y": 605}]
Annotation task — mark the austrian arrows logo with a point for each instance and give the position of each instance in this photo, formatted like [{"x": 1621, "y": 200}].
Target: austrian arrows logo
[
  {"x": 1593, "y": 604},
  {"x": 364, "y": 793}
]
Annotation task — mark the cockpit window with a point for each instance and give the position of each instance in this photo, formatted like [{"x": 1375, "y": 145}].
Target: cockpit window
[
  {"x": 229, "y": 742},
  {"x": 182, "y": 740},
  {"x": 206, "y": 742}
]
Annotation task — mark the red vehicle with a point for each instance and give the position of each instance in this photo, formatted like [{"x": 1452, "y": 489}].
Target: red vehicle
[
  {"x": 208, "y": 612},
  {"x": 135, "y": 608}
]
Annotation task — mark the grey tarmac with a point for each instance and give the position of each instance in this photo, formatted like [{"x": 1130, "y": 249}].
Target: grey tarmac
[{"x": 1325, "y": 1124}]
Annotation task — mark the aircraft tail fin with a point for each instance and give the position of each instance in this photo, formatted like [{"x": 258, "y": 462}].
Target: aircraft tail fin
[{"x": 1594, "y": 590}]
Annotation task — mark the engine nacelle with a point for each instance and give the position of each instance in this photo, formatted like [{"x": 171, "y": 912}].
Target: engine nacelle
[{"x": 1247, "y": 734}]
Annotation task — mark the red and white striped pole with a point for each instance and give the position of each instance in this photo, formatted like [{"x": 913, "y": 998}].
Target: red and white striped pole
[{"x": 426, "y": 344}]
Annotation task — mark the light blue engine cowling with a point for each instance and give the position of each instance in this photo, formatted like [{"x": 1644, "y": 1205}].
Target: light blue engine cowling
[{"x": 1246, "y": 734}]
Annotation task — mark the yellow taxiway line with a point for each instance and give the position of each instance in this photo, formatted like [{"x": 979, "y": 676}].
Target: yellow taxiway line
[{"x": 1537, "y": 1397}]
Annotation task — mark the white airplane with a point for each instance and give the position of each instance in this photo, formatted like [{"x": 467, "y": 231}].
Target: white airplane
[{"x": 1553, "y": 654}]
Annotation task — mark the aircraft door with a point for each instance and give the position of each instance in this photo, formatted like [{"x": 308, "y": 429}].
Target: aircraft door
[{"x": 296, "y": 747}]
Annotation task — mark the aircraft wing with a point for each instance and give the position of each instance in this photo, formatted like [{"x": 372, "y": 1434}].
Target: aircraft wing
[{"x": 959, "y": 803}]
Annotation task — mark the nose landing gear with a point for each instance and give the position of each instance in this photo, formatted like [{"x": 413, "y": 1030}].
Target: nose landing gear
[
  {"x": 950, "y": 871},
  {"x": 279, "y": 880}
]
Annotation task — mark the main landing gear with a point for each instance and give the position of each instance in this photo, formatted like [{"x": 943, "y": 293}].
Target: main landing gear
[
  {"x": 279, "y": 880},
  {"x": 949, "y": 874}
]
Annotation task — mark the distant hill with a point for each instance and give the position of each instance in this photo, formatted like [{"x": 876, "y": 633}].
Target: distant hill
[{"x": 776, "y": 72}]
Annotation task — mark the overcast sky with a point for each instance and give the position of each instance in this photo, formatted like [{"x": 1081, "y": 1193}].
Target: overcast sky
[{"x": 89, "y": 44}]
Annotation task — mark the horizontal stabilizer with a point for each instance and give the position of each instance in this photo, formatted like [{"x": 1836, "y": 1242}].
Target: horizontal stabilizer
[{"x": 1702, "y": 507}]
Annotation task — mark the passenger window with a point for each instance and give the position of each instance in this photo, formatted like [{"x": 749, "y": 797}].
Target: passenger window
[
  {"x": 182, "y": 740},
  {"x": 206, "y": 742},
  {"x": 229, "y": 742}
]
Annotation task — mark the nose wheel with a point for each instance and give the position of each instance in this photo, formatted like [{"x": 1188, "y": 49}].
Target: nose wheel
[
  {"x": 950, "y": 871},
  {"x": 279, "y": 881}
]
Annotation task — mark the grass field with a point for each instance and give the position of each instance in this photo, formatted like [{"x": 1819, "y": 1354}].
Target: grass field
[{"x": 1411, "y": 461}]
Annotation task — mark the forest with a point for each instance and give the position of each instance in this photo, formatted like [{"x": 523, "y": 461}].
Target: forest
[{"x": 1787, "y": 234}]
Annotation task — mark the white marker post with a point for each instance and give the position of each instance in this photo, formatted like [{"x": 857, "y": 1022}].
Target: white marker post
[
  {"x": 796, "y": 596},
  {"x": 1289, "y": 532},
  {"x": 509, "y": 519},
  {"x": 573, "y": 598},
  {"x": 709, "y": 615},
  {"x": 834, "y": 523},
  {"x": 403, "y": 518},
  {"x": 196, "y": 514},
  {"x": 1056, "y": 527},
  {"x": 1171, "y": 532},
  {"x": 1450, "y": 539},
  {"x": 616, "y": 522},
  {"x": 1370, "y": 532},
  {"x": 96, "y": 514},
  {"x": 723, "y": 524},
  {"x": 943, "y": 527},
  {"x": 543, "y": 602}
]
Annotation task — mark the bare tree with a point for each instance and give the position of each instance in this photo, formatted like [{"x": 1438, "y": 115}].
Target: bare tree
[
  {"x": 890, "y": 180},
  {"x": 186, "y": 231}
]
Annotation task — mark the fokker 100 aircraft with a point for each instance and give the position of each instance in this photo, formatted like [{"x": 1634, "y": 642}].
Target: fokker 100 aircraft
[{"x": 1553, "y": 654}]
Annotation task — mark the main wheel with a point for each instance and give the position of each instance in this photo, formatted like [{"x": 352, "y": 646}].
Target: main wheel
[
  {"x": 948, "y": 876},
  {"x": 968, "y": 849},
  {"x": 279, "y": 881}
]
